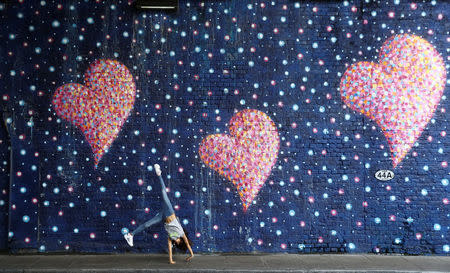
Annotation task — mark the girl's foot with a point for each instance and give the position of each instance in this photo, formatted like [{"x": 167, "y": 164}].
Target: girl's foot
[
  {"x": 129, "y": 238},
  {"x": 157, "y": 169}
]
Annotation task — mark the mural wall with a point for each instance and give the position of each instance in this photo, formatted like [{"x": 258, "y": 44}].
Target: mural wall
[{"x": 280, "y": 126}]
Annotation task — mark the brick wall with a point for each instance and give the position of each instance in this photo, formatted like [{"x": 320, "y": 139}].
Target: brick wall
[{"x": 301, "y": 179}]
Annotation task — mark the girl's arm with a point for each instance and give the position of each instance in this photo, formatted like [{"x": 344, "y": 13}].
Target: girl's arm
[
  {"x": 189, "y": 247},
  {"x": 169, "y": 246}
]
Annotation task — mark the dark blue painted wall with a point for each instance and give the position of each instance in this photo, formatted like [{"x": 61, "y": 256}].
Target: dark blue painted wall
[{"x": 313, "y": 201}]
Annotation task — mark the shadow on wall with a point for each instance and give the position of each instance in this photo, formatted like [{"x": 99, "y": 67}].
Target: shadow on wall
[{"x": 4, "y": 184}]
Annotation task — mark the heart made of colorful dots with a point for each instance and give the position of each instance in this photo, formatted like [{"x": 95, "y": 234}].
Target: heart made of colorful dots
[
  {"x": 101, "y": 106},
  {"x": 245, "y": 156},
  {"x": 400, "y": 93}
]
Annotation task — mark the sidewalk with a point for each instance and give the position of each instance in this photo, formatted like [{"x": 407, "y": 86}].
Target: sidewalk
[{"x": 224, "y": 263}]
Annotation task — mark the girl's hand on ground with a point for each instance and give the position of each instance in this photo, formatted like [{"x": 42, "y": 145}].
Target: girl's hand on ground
[{"x": 189, "y": 258}]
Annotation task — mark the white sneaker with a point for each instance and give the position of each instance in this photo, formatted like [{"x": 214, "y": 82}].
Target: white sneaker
[
  {"x": 129, "y": 238},
  {"x": 157, "y": 169}
]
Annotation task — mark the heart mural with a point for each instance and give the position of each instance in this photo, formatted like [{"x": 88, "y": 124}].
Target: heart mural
[
  {"x": 245, "y": 156},
  {"x": 400, "y": 93},
  {"x": 101, "y": 106}
]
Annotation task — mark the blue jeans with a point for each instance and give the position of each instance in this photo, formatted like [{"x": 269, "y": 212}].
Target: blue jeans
[{"x": 165, "y": 212}]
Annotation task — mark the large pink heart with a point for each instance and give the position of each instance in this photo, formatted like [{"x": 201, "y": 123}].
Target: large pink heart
[
  {"x": 400, "y": 93},
  {"x": 101, "y": 106},
  {"x": 247, "y": 155}
]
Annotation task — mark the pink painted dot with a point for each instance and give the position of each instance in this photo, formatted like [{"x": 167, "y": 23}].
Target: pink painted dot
[
  {"x": 407, "y": 200},
  {"x": 356, "y": 179},
  {"x": 283, "y": 246},
  {"x": 445, "y": 201},
  {"x": 365, "y": 204},
  {"x": 60, "y": 213},
  {"x": 311, "y": 199},
  {"x": 443, "y": 133},
  {"x": 282, "y": 198},
  {"x": 392, "y": 218},
  {"x": 215, "y": 227},
  {"x": 333, "y": 212},
  {"x": 27, "y": 240},
  {"x": 418, "y": 236},
  {"x": 260, "y": 242},
  {"x": 274, "y": 219},
  {"x": 391, "y": 14},
  {"x": 198, "y": 235},
  {"x": 341, "y": 191},
  {"x": 354, "y": 9},
  {"x": 156, "y": 235},
  {"x": 413, "y": 6},
  {"x": 299, "y": 56},
  {"x": 302, "y": 223},
  {"x": 444, "y": 164},
  {"x": 320, "y": 239},
  {"x": 92, "y": 235},
  {"x": 147, "y": 210},
  {"x": 359, "y": 223},
  {"x": 388, "y": 188},
  {"x": 292, "y": 179},
  {"x": 140, "y": 182},
  {"x": 133, "y": 222}
]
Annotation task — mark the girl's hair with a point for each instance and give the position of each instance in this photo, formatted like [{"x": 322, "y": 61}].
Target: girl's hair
[{"x": 182, "y": 245}]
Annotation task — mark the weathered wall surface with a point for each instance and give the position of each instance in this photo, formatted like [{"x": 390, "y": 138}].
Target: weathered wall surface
[{"x": 270, "y": 120}]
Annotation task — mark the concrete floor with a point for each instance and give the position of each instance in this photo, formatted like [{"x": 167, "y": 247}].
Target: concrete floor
[{"x": 224, "y": 263}]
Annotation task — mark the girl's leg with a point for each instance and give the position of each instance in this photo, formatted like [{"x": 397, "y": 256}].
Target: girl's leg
[
  {"x": 167, "y": 208},
  {"x": 156, "y": 219}
]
